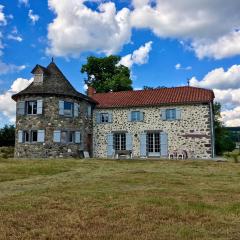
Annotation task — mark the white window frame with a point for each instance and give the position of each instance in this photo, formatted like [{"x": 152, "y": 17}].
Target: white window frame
[
  {"x": 135, "y": 116},
  {"x": 104, "y": 117},
  {"x": 119, "y": 141},
  {"x": 32, "y": 103},
  {"x": 68, "y": 112},
  {"x": 171, "y": 114}
]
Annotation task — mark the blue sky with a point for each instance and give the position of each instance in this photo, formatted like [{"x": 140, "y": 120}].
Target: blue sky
[{"x": 163, "y": 42}]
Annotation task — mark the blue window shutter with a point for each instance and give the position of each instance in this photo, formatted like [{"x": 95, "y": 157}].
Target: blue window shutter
[
  {"x": 77, "y": 137},
  {"x": 39, "y": 106},
  {"x": 98, "y": 117},
  {"x": 141, "y": 116},
  {"x": 76, "y": 109},
  {"x": 61, "y": 107},
  {"x": 89, "y": 111},
  {"x": 143, "y": 144},
  {"x": 164, "y": 144},
  {"x": 40, "y": 136},
  {"x": 110, "y": 150},
  {"x": 128, "y": 141},
  {"x": 57, "y": 136},
  {"x": 178, "y": 113},
  {"x": 129, "y": 116},
  {"x": 20, "y": 108},
  {"x": 110, "y": 117},
  {"x": 163, "y": 113},
  {"x": 20, "y": 136}
]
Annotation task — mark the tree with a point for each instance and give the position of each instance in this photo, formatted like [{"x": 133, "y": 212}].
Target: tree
[
  {"x": 223, "y": 140},
  {"x": 7, "y": 136},
  {"x": 150, "y": 88},
  {"x": 106, "y": 74}
]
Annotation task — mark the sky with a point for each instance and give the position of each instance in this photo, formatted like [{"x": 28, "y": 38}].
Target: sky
[{"x": 163, "y": 42}]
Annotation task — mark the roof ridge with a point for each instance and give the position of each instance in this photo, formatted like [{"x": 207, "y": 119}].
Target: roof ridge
[{"x": 157, "y": 89}]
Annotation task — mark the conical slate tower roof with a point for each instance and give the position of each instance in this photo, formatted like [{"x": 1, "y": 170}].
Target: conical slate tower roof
[{"x": 54, "y": 83}]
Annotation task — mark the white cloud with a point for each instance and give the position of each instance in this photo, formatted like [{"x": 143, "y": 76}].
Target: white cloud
[
  {"x": 226, "y": 86},
  {"x": 7, "y": 105},
  {"x": 9, "y": 68},
  {"x": 5, "y": 67},
  {"x": 3, "y": 20},
  {"x": 33, "y": 17},
  {"x": 14, "y": 37},
  {"x": 78, "y": 28},
  {"x": 179, "y": 66},
  {"x": 226, "y": 46},
  {"x": 208, "y": 26},
  {"x": 25, "y": 2},
  {"x": 232, "y": 117},
  {"x": 220, "y": 79},
  {"x": 139, "y": 56}
]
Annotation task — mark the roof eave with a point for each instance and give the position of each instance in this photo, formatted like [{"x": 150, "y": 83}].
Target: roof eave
[{"x": 154, "y": 105}]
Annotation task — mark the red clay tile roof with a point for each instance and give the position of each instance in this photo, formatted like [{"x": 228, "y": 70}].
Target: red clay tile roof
[{"x": 176, "y": 95}]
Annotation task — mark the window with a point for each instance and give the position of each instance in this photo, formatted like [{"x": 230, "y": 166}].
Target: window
[
  {"x": 68, "y": 109},
  {"x": 171, "y": 114},
  {"x": 135, "y": 116},
  {"x": 26, "y": 137},
  {"x": 153, "y": 142},
  {"x": 34, "y": 136},
  {"x": 64, "y": 137},
  {"x": 104, "y": 118},
  {"x": 71, "y": 137},
  {"x": 38, "y": 78},
  {"x": 119, "y": 141},
  {"x": 31, "y": 107}
]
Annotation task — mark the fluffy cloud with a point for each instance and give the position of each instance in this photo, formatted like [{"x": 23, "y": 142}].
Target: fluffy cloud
[
  {"x": 232, "y": 117},
  {"x": 33, "y": 17},
  {"x": 78, "y": 28},
  {"x": 210, "y": 29},
  {"x": 179, "y": 66},
  {"x": 226, "y": 86},
  {"x": 226, "y": 46},
  {"x": 139, "y": 56},
  {"x": 209, "y": 26},
  {"x": 7, "y": 105},
  {"x": 220, "y": 79}
]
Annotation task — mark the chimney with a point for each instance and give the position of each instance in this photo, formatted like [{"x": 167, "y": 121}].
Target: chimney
[{"x": 90, "y": 91}]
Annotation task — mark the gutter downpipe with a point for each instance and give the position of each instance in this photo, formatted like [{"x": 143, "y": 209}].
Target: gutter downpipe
[{"x": 212, "y": 129}]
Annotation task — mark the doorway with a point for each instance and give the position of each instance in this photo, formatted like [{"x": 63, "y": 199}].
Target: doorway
[
  {"x": 89, "y": 144},
  {"x": 153, "y": 144}
]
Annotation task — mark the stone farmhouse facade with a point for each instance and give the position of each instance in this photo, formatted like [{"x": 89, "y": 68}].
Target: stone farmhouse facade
[{"x": 54, "y": 120}]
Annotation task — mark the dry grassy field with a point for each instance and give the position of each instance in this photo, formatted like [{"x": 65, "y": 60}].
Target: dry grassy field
[{"x": 103, "y": 199}]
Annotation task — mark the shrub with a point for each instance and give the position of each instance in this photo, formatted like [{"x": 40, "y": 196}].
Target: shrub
[
  {"x": 232, "y": 155},
  {"x": 6, "y": 152}
]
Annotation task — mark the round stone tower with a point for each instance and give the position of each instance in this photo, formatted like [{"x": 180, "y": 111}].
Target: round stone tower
[{"x": 53, "y": 119}]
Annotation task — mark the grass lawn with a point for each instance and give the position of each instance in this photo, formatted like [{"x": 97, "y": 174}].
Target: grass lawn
[{"x": 101, "y": 199}]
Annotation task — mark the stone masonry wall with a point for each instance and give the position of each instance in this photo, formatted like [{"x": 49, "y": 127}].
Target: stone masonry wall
[
  {"x": 49, "y": 121},
  {"x": 192, "y": 133}
]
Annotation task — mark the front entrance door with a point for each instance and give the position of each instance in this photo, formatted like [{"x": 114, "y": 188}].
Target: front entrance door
[{"x": 153, "y": 144}]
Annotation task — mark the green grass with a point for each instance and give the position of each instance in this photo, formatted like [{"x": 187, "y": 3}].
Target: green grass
[{"x": 103, "y": 199}]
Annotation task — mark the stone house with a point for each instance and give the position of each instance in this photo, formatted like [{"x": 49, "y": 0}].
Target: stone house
[{"x": 53, "y": 120}]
